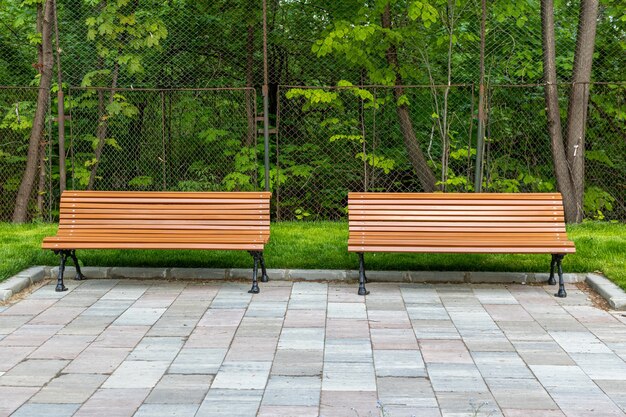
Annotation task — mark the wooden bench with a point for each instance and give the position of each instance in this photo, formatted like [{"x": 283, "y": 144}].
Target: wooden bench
[
  {"x": 458, "y": 223},
  {"x": 161, "y": 220}
]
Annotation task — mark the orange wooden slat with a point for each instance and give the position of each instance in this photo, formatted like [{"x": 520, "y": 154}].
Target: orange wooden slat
[
  {"x": 456, "y": 196},
  {"x": 465, "y": 219},
  {"x": 466, "y": 249},
  {"x": 171, "y": 194},
  {"x": 118, "y": 245}
]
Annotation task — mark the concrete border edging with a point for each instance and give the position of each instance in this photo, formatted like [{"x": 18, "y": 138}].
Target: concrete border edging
[{"x": 615, "y": 296}]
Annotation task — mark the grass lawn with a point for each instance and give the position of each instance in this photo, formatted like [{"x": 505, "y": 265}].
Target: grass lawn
[{"x": 322, "y": 245}]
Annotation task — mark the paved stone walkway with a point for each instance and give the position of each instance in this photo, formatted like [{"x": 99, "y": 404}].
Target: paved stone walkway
[{"x": 154, "y": 348}]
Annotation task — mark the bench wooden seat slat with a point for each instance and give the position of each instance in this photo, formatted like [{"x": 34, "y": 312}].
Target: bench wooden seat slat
[
  {"x": 457, "y": 223},
  {"x": 133, "y": 206},
  {"x": 465, "y": 213},
  {"x": 459, "y": 249},
  {"x": 240, "y": 195},
  {"x": 165, "y": 222},
  {"x": 166, "y": 216},
  {"x": 150, "y": 212},
  {"x": 442, "y": 202},
  {"x": 135, "y": 200},
  {"x": 467, "y": 219},
  {"x": 442, "y": 223},
  {"x": 156, "y": 245},
  {"x": 455, "y": 196},
  {"x": 448, "y": 207},
  {"x": 162, "y": 220}
]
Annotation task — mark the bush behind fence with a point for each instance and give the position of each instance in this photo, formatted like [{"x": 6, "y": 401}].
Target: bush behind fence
[{"x": 327, "y": 141}]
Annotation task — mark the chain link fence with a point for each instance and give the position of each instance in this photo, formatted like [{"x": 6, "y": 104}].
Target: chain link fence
[
  {"x": 166, "y": 96},
  {"x": 175, "y": 139},
  {"x": 17, "y": 107}
]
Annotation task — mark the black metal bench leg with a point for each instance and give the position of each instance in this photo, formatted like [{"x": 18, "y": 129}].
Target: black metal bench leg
[
  {"x": 551, "y": 280},
  {"x": 561, "y": 293},
  {"x": 255, "y": 271},
  {"x": 79, "y": 275},
  {"x": 264, "y": 277},
  {"x": 362, "y": 279},
  {"x": 60, "y": 286}
]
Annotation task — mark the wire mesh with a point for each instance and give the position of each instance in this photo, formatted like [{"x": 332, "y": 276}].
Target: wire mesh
[
  {"x": 134, "y": 74},
  {"x": 185, "y": 140},
  {"x": 17, "y": 109}
]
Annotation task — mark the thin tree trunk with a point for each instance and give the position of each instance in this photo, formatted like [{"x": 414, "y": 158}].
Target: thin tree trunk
[
  {"x": 416, "y": 156},
  {"x": 41, "y": 186},
  {"x": 579, "y": 100},
  {"x": 103, "y": 126},
  {"x": 20, "y": 212},
  {"x": 60, "y": 105},
  {"x": 561, "y": 169},
  {"x": 251, "y": 134}
]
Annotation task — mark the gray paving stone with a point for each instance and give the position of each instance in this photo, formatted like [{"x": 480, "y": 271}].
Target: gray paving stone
[
  {"x": 46, "y": 410},
  {"x": 300, "y": 362},
  {"x": 13, "y": 397},
  {"x": 32, "y": 372},
  {"x": 348, "y": 350},
  {"x": 293, "y": 391},
  {"x": 180, "y": 389},
  {"x": 95, "y": 360},
  {"x": 230, "y": 403},
  {"x": 412, "y": 393},
  {"x": 474, "y": 404},
  {"x": 139, "y": 316},
  {"x": 69, "y": 388},
  {"x": 460, "y": 378},
  {"x": 301, "y": 338},
  {"x": 242, "y": 375},
  {"x": 501, "y": 365},
  {"x": 399, "y": 363},
  {"x": 520, "y": 393},
  {"x": 166, "y": 410},
  {"x": 348, "y": 376},
  {"x": 113, "y": 402},
  {"x": 137, "y": 374},
  {"x": 157, "y": 349},
  {"x": 198, "y": 361}
]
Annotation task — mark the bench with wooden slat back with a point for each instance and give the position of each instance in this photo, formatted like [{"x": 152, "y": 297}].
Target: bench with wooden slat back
[
  {"x": 162, "y": 220},
  {"x": 458, "y": 223}
]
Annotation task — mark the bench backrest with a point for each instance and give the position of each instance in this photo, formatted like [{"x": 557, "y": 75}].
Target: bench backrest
[
  {"x": 456, "y": 213},
  {"x": 169, "y": 212}
]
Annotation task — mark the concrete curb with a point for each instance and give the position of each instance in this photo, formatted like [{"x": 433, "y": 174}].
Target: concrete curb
[
  {"x": 23, "y": 280},
  {"x": 613, "y": 294}
]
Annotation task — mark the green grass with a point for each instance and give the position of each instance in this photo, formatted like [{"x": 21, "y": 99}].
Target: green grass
[{"x": 322, "y": 245}]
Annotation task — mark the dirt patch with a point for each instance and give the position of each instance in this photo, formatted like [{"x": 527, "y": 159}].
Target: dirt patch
[
  {"x": 24, "y": 293},
  {"x": 597, "y": 300}
]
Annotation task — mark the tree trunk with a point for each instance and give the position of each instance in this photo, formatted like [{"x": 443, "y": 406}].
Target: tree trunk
[
  {"x": 569, "y": 158},
  {"x": 561, "y": 170},
  {"x": 60, "y": 105},
  {"x": 579, "y": 100},
  {"x": 416, "y": 156},
  {"x": 103, "y": 125},
  {"x": 20, "y": 212},
  {"x": 41, "y": 186},
  {"x": 250, "y": 113}
]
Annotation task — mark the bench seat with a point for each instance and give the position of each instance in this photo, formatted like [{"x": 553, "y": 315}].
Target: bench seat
[
  {"x": 162, "y": 220},
  {"x": 458, "y": 223}
]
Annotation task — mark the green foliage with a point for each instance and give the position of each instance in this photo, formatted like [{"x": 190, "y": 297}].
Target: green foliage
[{"x": 597, "y": 202}]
